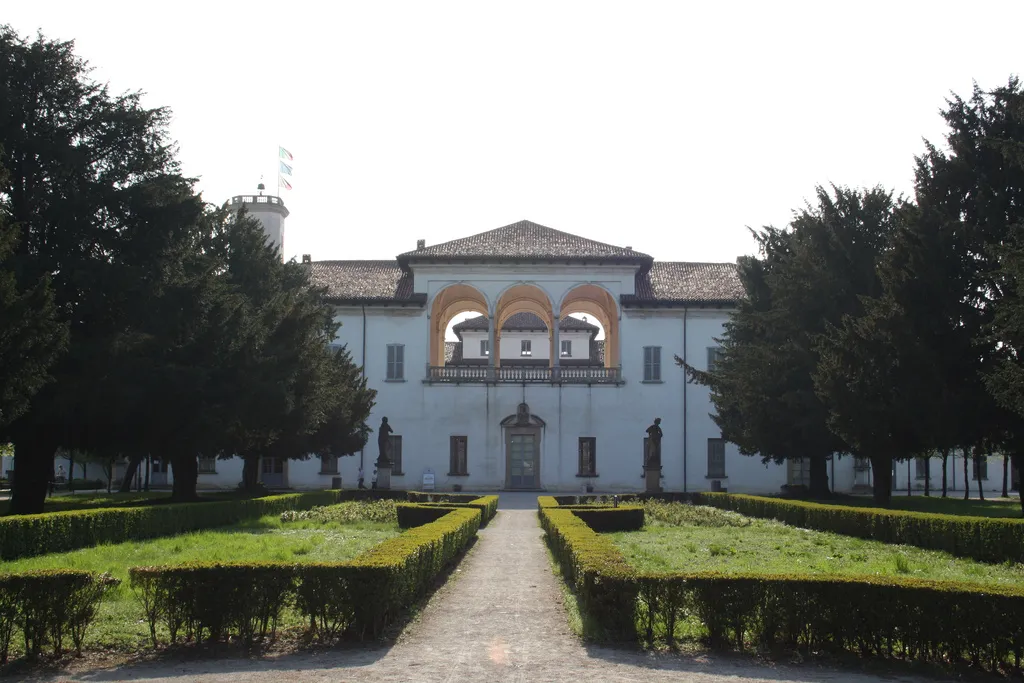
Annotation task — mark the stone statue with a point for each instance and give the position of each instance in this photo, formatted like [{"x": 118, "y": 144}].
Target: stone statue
[
  {"x": 384, "y": 443},
  {"x": 653, "y": 459}
]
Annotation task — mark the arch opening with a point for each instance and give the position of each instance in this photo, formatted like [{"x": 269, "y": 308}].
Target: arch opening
[
  {"x": 449, "y": 307},
  {"x": 535, "y": 303},
  {"x": 601, "y": 309}
]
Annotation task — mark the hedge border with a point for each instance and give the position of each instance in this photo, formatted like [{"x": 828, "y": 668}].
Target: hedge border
[
  {"x": 985, "y": 539},
  {"x": 488, "y": 506},
  {"x": 53, "y": 532},
  {"x": 919, "y": 619},
  {"x": 600, "y": 518},
  {"x": 359, "y": 597}
]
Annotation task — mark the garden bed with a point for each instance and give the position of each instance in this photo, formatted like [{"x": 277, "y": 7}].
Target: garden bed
[{"x": 691, "y": 538}]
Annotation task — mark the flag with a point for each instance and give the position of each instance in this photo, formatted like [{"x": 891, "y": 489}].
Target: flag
[
  {"x": 281, "y": 182},
  {"x": 285, "y": 168},
  {"x": 285, "y": 154}
]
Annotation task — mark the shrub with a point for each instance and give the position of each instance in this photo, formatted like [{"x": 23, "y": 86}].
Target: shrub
[
  {"x": 85, "y": 484},
  {"x": 622, "y": 518},
  {"x": 47, "y": 607},
  {"x": 359, "y": 597},
  {"x": 412, "y": 515},
  {"x": 678, "y": 514},
  {"x": 204, "y": 601},
  {"x": 981, "y": 538},
  {"x": 882, "y": 616},
  {"x": 382, "y": 511},
  {"x": 57, "y": 532},
  {"x": 488, "y": 506}
]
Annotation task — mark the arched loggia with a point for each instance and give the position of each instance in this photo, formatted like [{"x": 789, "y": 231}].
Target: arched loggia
[
  {"x": 596, "y": 301},
  {"x": 448, "y": 303},
  {"x": 521, "y": 298}
]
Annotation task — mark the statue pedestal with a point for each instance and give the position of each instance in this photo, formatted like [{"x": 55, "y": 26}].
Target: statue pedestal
[
  {"x": 652, "y": 479},
  {"x": 384, "y": 477}
]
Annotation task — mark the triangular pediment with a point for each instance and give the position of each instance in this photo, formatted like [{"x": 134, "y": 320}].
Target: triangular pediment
[{"x": 524, "y": 241}]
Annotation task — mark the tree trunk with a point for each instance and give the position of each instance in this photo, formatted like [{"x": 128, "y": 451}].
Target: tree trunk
[
  {"x": 967, "y": 477},
  {"x": 1018, "y": 462},
  {"x": 129, "y": 473},
  {"x": 1006, "y": 475},
  {"x": 149, "y": 463},
  {"x": 881, "y": 479},
  {"x": 819, "y": 477},
  {"x": 185, "y": 469},
  {"x": 977, "y": 470},
  {"x": 33, "y": 469},
  {"x": 250, "y": 473},
  {"x": 945, "y": 465},
  {"x": 927, "y": 475},
  {"x": 909, "y": 479}
]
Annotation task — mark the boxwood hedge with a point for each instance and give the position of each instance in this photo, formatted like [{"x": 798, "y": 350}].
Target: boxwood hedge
[{"x": 882, "y": 616}]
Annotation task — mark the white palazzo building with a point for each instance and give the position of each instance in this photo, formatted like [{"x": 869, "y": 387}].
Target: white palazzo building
[{"x": 551, "y": 386}]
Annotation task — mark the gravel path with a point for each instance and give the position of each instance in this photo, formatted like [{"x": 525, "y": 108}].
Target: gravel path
[{"x": 499, "y": 618}]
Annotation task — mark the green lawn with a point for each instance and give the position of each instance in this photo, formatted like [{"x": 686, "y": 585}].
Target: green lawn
[
  {"x": 119, "y": 623},
  {"x": 995, "y": 507},
  {"x": 714, "y": 540}
]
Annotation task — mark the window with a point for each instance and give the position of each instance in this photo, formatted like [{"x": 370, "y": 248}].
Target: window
[
  {"x": 980, "y": 469},
  {"x": 920, "y": 467},
  {"x": 527, "y": 348},
  {"x": 396, "y": 361},
  {"x": 566, "y": 348},
  {"x": 588, "y": 456},
  {"x": 395, "y": 446},
  {"x": 799, "y": 471},
  {"x": 457, "y": 465},
  {"x": 485, "y": 347},
  {"x": 328, "y": 464},
  {"x": 207, "y": 465},
  {"x": 652, "y": 363},
  {"x": 714, "y": 353},
  {"x": 716, "y": 458}
]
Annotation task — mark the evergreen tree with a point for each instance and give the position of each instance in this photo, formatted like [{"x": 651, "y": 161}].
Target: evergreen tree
[
  {"x": 805, "y": 278},
  {"x": 76, "y": 157}
]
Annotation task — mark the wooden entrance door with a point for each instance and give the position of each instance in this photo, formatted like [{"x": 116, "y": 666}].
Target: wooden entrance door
[
  {"x": 522, "y": 457},
  {"x": 272, "y": 473}
]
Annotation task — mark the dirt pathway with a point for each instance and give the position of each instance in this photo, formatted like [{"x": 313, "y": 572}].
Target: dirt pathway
[{"x": 500, "y": 618}]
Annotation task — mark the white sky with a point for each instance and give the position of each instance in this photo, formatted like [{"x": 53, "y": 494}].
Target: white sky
[{"x": 668, "y": 127}]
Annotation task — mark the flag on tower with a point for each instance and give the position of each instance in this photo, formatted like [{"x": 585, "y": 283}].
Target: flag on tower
[
  {"x": 285, "y": 154},
  {"x": 281, "y": 182},
  {"x": 285, "y": 168}
]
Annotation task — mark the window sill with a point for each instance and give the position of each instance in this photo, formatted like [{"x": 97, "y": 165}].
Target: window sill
[
  {"x": 333, "y": 474},
  {"x": 210, "y": 472},
  {"x": 589, "y": 476},
  {"x": 395, "y": 380},
  {"x": 652, "y": 381},
  {"x": 398, "y": 474},
  {"x": 458, "y": 474},
  {"x": 711, "y": 476}
]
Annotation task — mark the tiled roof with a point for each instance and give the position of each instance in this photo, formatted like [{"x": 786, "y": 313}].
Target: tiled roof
[
  {"x": 524, "y": 241},
  {"x": 524, "y": 321},
  {"x": 675, "y": 282},
  {"x": 364, "y": 281}
]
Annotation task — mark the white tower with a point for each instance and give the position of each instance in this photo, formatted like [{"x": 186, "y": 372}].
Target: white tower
[{"x": 269, "y": 210}]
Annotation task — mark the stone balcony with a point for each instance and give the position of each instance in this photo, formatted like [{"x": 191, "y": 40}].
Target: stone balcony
[{"x": 523, "y": 374}]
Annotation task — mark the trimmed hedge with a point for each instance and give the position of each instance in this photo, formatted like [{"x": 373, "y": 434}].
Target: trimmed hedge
[
  {"x": 926, "y": 620},
  {"x": 48, "y": 607},
  {"x": 600, "y": 518},
  {"x": 358, "y": 598},
  {"x": 488, "y": 505},
  {"x": 412, "y": 515},
  {"x": 984, "y": 539},
  {"x": 56, "y": 532}
]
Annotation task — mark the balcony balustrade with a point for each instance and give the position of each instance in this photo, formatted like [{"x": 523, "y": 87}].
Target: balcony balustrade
[{"x": 523, "y": 374}]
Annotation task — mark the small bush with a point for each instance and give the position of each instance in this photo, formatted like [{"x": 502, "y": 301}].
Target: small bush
[{"x": 48, "y": 607}]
